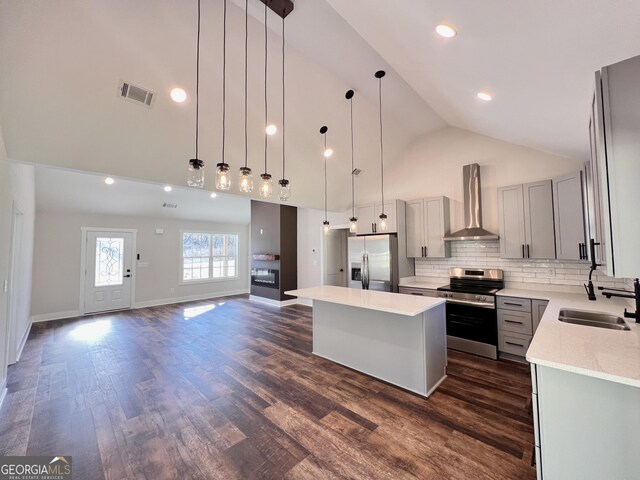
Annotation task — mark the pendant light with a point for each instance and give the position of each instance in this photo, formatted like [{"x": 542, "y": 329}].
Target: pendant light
[
  {"x": 266, "y": 184},
  {"x": 223, "y": 176},
  {"x": 195, "y": 177},
  {"x": 245, "y": 179},
  {"x": 383, "y": 217},
  {"x": 325, "y": 225},
  {"x": 285, "y": 185},
  {"x": 353, "y": 221}
]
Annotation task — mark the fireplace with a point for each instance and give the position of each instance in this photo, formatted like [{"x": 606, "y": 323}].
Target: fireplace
[{"x": 265, "y": 277}]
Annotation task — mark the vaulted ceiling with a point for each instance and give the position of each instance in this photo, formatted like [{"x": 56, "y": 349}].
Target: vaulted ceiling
[{"x": 61, "y": 61}]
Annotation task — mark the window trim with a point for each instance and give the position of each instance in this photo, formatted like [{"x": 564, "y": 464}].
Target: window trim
[{"x": 181, "y": 280}]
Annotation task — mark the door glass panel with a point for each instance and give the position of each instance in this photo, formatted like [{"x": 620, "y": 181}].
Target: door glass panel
[{"x": 109, "y": 261}]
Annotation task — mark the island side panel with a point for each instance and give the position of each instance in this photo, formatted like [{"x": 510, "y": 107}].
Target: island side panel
[
  {"x": 435, "y": 346},
  {"x": 387, "y": 346}
]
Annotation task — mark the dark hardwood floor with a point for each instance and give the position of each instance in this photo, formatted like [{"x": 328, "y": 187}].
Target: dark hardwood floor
[{"x": 228, "y": 388}]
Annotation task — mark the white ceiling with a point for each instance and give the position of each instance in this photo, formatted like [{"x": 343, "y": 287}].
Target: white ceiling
[
  {"x": 59, "y": 190},
  {"x": 537, "y": 58},
  {"x": 61, "y": 62}
]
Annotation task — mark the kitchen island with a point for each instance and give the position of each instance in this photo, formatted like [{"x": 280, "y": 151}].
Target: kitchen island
[{"x": 398, "y": 338}]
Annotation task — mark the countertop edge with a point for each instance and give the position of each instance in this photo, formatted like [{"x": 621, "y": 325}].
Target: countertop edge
[{"x": 583, "y": 371}]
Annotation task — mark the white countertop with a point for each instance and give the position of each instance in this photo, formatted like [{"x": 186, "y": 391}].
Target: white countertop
[
  {"x": 597, "y": 352},
  {"x": 409, "y": 305}
]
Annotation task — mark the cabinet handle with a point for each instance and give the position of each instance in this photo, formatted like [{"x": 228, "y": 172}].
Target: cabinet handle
[
  {"x": 514, "y": 344},
  {"x": 581, "y": 254},
  {"x": 513, "y": 304},
  {"x": 523, "y": 251},
  {"x": 528, "y": 255},
  {"x": 414, "y": 293},
  {"x": 426, "y": 252},
  {"x": 511, "y": 321}
]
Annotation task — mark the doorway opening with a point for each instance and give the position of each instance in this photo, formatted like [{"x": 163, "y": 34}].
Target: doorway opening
[{"x": 335, "y": 258}]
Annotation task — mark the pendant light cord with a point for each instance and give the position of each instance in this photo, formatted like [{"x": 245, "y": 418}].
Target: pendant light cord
[
  {"x": 224, "y": 76},
  {"x": 246, "y": 52},
  {"x": 266, "y": 111},
  {"x": 353, "y": 177},
  {"x": 325, "y": 178},
  {"x": 283, "y": 109},
  {"x": 197, "y": 79},
  {"x": 381, "y": 144}
]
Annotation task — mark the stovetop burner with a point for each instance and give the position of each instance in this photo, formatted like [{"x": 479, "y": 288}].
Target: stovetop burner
[{"x": 475, "y": 289}]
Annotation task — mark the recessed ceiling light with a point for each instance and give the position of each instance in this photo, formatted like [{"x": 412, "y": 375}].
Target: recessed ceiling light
[
  {"x": 109, "y": 181},
  {"x": 271, "y": 129},
  {"x": 167, "y": 188},
  {"x": 328, "y": 152},
  {"x": 178, "y": 95},
  {"x": 484, "y": 96},
  {"x": 213, "y": 195},
  {"x": 446, "y": 31}
]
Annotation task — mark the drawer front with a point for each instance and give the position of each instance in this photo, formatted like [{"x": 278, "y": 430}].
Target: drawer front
[
  {"x": 512, "y": 303},
  {"x": 514, "y": 343},
  {"x": 425, "y": 292},
  {"x": 512, "y": 321}
]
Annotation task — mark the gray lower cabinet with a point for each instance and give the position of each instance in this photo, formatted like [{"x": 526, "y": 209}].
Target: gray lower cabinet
[
  {"x": 518, "y": 319},
  {"x": 424, "y": 292},
  {"x": 526, "y": 221},
  {"x": 585, "y": 428},
  {"x": 568, "y": 213}
]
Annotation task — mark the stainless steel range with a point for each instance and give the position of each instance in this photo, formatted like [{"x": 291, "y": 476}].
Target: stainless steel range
[{"x": 472, "y": 322}]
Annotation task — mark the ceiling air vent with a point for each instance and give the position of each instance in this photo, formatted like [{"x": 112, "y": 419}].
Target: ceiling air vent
[
  {"x": 136, "y": 94},
  {"x": 170, "y": 205}
]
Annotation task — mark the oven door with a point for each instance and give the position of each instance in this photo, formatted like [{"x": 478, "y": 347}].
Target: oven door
[{"x": 472, "y": 323}]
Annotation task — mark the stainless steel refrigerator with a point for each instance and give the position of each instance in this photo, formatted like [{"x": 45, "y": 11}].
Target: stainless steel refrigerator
[{"x": 373, "y": 262}]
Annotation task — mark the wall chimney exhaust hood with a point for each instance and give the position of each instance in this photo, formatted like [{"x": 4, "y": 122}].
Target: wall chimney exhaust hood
[{"x": 472, "y": 208}]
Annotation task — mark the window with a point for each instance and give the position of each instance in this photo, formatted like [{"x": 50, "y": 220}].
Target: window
[{"x": 207, "y": 256}]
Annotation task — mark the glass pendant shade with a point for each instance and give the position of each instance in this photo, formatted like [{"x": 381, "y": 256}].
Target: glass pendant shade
[
  {"x": 245, "y": 180},
  {"x": 353, "y": 226},
  {"x": 266, "y": 185},
  {"x": 195, "y": 176},
  {"x": 285, "y": 189},
  {"x": 223, "y": 177},
  {"x": 326, "y": 227},
  {"x": 383, "y": 222}
]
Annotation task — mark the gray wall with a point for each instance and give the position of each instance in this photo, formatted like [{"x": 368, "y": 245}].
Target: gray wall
[{"x": 58, "y": 251}]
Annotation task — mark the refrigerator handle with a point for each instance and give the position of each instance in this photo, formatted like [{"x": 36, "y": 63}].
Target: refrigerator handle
[{"x": 365, "y": 271}]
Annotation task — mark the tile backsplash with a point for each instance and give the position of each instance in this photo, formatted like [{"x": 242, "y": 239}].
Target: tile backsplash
[{"x": 517, "y": 273}]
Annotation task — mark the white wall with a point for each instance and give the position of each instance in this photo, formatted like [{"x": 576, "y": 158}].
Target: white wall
[
  {"x": 58, "y": 251},
  {"x": 432, "y": 166},
  {"x": 16, "y": 192}
]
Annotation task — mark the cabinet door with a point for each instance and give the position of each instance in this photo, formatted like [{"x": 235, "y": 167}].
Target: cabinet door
[
  {"x": 537, "y": 310},
  {"x": 434, "y": 223},
  {"x": 415, "y": 229},
  {"x": 390, "y": 211},
  {"x": 538, "y": 220},
  {"x": 568, "y": 212},
  {"x": 511, "y": 217},
  {"x": 366, "y": 219}
]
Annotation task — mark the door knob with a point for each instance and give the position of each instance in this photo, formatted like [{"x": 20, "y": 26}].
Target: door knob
[{"x": 127, "y": 276}]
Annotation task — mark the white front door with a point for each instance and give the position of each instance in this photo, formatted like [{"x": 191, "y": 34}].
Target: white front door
[{"x": 108, "y": 271}]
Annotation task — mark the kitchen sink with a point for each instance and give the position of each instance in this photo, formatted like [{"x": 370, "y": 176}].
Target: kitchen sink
[{"x": 593, "y": 319}]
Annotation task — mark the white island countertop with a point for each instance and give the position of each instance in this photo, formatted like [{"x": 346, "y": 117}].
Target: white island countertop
[
  {"x": 400, "y": 304},
  {"x": 612, "y": 355}
]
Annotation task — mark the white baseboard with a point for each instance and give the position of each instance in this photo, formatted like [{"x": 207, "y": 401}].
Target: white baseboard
[
  {"x": 46, "y": 317},
  {"x": 190, "y": 298},
  {"x": 305, "y": 301},
  {"x": 275, "y": 303},
  {"x": 23, "y": 342}
]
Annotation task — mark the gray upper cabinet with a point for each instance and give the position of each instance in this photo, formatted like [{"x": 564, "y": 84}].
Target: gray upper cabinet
[
  {"x": 568, "y": 212},
  {"x": 369, "y": 217},
  {"x": 526, "y": 221},
  {"x": 427, "y": 222},
  {"x": 366, "y": 215},
  {"x": 615, "y": 124}
]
